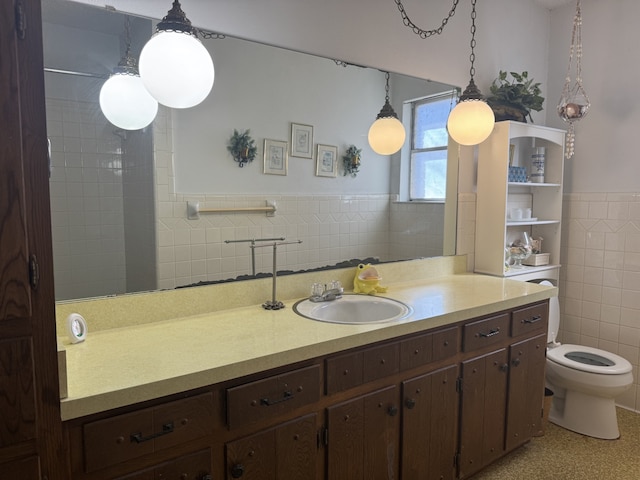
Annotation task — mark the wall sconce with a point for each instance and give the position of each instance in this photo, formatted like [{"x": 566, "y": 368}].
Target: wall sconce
[
  {"x": 174, "y": 65},
  {"x": 351, "y": 161},
  {"x": 386, "y": 135},
  {"x": 123, "y": 98},
  {"x": 472, "y": 120}
]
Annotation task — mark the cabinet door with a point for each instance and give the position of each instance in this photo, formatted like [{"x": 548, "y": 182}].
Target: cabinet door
[
  {"x": 30, "y": 426},
  {"x": 288, "y": 451},
  {"x": 526, "y": 390},
  {"x": 482, "y": 419},
  {"x": 363, "y": 437},
  {"x": 429, "y": 420}
]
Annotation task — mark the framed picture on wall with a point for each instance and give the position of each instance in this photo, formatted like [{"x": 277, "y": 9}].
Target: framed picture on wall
[
  {"x": 275, "y": 157},
  {"x": 301, "y": 140},
  {"x": 326, "y": 161}
]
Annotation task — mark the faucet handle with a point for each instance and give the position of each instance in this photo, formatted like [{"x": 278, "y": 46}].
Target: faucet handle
[{"x": 317, "y": 289}]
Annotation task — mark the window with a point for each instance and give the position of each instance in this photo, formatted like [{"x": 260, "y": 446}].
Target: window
[{"x": 429, "y": 138}]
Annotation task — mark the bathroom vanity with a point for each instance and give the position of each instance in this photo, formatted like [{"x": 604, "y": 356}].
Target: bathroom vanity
[{"x": 254, "y": 394}]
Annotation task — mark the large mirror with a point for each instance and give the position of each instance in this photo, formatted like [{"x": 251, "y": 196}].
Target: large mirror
[{"x": 119, "y": 199}]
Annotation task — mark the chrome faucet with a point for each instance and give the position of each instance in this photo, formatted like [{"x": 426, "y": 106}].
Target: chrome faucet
[{"x": 326, "y": 293}]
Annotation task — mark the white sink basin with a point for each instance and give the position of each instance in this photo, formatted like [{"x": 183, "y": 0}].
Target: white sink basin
[{"x": 354, "y": 309}]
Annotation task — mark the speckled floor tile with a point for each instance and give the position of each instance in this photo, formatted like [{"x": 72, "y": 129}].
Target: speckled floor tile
[{"x": 564, "y": 455}]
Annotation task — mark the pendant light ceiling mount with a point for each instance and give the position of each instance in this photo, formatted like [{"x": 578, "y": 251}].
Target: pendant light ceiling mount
[{"x": 176, "y": 21}]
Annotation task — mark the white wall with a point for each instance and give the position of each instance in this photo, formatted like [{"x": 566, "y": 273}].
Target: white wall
[{"x": 600, "y": 277}]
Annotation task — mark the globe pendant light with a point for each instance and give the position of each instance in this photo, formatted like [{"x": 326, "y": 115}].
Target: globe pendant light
[
  {"x": 174, "y": 65},
  {"x": 472, "y": 120},
  {"x": 386, "y": 135},
  {"x": 123, "y": 99}
]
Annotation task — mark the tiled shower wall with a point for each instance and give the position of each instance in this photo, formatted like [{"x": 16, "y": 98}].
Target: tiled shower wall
[
  {"x": 103, "y": 222},
  {"x": 86, "y": 201},
  {"x": 600, "y": 277}
]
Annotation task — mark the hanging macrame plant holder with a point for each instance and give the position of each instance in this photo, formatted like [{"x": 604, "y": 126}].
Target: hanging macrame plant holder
[{"x": 574, "y": 102}]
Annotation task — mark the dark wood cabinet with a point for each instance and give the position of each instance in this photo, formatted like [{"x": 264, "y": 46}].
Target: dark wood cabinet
[
  {"x": 502, "y": 390},
  {"x": 363, "y": 437},
  {"x": 526, "y": 390},
  {"x": 30, "y": 427},
  {"x": 429, "y": 419},
  {"x": 482, "y": 412},
  {"x": 287, "y": 451},
  {"x": 436, "y": 405},
  {"x": 194, "y": 466}
]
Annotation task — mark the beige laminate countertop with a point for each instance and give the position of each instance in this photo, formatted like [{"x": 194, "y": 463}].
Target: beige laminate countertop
[{"x": 127, "y": 365}]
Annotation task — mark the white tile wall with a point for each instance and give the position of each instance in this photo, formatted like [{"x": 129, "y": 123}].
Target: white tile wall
[
  {"x": 86, "y": 201},
  {"x": 600, "y": 277}
]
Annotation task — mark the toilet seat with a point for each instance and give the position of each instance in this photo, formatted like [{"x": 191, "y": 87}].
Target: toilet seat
[{"x": 559, "y": 354}]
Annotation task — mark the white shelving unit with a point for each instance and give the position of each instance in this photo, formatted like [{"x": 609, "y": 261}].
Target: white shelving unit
[{"x": 496, "y": 196}]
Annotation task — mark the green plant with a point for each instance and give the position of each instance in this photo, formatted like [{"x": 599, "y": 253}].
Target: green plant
[
  {"x": 242, "y": 147},
  {"x": 351, "y": 160},
  {"x": 520, "y": 93}
]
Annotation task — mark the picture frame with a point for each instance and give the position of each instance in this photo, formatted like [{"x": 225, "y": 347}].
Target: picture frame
[
  {"x": 301, "y": 140},
  {"x": 276, "y": 160},
  {"x": 326, "y": 161}
]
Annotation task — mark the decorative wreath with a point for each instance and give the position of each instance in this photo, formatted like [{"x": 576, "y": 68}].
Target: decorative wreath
[{"x": 242, "y": 147}]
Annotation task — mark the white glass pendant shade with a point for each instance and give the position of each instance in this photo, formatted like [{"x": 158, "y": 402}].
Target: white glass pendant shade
[
  {"x": 471, "y": 122},
  {"x": 126, "y": 103},
  {"x": 176, "y": 69},
  {"x": 386, "y": 135}
]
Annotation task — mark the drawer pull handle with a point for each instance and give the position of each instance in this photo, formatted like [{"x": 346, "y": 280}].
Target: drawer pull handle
[
  {"x": 533, "y": 319},
  {"x": 285, "y": 396},
  {"x": 493, "y": 332},
  {"x": 167, "y": 428}
]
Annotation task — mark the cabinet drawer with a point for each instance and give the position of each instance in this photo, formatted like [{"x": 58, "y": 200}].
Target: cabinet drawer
[
  {"x": 429, "y": 347},
  {"x": 532, "y": 318},
  {"x": 272, "y": 396},
  {"x": 485, "y": 332},
  {"x": 344, "y": 372},
  {"x": 445, "y": 343},
  {"x": 416, "y": 351},
  {"x": 117, "y": 439},
  {"x": 380, "y": 362}
]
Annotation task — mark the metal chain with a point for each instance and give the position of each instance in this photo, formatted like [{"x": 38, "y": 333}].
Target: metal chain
[
  {"x": 472, "y": 57},
  {"x": 419, "y": 31},
  {"x": 210, "y": 35}
]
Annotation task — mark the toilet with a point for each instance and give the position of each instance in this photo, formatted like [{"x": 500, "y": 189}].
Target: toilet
[{"x": 585, "y": 382}]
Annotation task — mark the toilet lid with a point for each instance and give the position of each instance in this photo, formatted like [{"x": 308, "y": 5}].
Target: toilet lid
[{"x": 588, "y": 359}]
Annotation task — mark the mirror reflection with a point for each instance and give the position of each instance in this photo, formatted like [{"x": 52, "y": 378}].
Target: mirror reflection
[{"x": 119, "y": 198}]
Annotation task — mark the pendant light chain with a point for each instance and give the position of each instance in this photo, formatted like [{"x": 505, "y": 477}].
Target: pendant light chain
[
  {"x": 419, "y": 31},
  {"x": 386, "y": 88},
  {"x": 128, "y": 64},
  {"x": 472, "y": 56}
]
